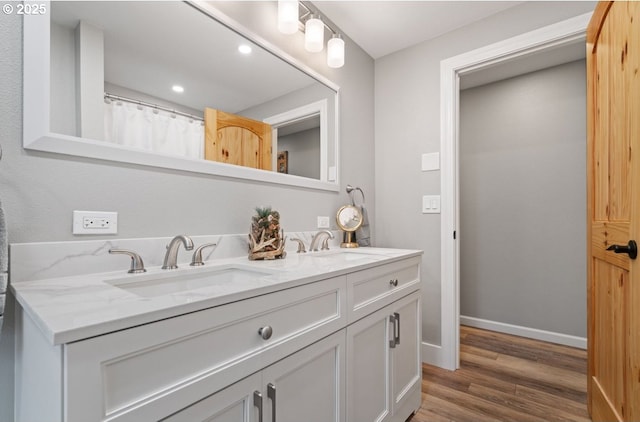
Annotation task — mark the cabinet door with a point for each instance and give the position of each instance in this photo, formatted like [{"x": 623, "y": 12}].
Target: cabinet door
[
  {"x": 308, "y": 385},
  {"x": 406, "y": 366},
  {"x": 233, "y": 404},
  {"x": 368, "y": 357}
]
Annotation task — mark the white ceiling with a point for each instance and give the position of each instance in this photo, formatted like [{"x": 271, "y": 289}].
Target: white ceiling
[
  {"x": 150, "y": 46},
  {"x": 383, "y": 27}
]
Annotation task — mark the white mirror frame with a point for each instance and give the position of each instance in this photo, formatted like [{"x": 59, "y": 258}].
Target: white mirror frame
[
  {"x": 318, "y": 108},
  {"x": 37, "y": 133}
]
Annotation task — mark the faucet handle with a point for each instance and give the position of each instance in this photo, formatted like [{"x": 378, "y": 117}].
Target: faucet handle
[
  {"x": 196, "y": 260},
  {"x": 137, "y": 266},
  {"x": 325, "y": 244},
  {"x": 301, "y": 248}
]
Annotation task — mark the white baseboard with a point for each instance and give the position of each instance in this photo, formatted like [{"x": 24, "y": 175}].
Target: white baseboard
[
  {"x": 534, "y": 333},
  {"x": 432, "y": 354}
]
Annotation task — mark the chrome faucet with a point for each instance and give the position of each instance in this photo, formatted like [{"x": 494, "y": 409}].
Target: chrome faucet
[
  {"x": 316, "y": 239},
  {"x": 171, "y": 257}
]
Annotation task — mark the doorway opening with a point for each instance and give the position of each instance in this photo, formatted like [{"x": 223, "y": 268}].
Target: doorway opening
[{"x": 548, "y": 43}]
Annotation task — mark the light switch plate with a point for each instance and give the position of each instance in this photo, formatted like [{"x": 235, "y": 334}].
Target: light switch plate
[
  {"x": 431, "y": 161},
  {"x": 431, "y": 204},
  {"x": 332, "y": 174}
]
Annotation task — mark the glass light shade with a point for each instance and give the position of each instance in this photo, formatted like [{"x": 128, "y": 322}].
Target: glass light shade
[
  {"x": 288, "y": 16},
  {"x": 335, "y": 52},
  {"x": 314, "y": 35}
]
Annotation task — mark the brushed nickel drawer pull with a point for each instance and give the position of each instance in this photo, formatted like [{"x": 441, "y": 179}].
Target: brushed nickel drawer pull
[
  {"x": 265, "y": 332},
  {"x": 394, "y": 282}
]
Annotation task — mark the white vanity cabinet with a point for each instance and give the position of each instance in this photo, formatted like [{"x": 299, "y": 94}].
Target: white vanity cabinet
[
  {"x": 341, "y": 349},
  {"x": 236, "y": 403},
  {"x": 152, "y": 371},
  {"x": 306, "y": 386},
  {"x": 384, "y": 373}
]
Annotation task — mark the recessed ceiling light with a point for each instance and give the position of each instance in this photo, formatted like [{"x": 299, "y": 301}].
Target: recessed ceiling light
[
  {"x": 177, "y": 88},
  {"x": 244, "y": 49}
]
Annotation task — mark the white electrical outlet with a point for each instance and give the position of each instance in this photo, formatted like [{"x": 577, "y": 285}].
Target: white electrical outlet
[
  {"x": 95, "y": 222},
  {"x": 323, "y": 222}
]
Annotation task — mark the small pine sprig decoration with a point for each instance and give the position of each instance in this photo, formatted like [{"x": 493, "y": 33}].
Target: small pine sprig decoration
[{"x": 266, "y": 240}]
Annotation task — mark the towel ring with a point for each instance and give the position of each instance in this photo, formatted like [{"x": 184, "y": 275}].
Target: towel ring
[{"x": 350, "y": 190}]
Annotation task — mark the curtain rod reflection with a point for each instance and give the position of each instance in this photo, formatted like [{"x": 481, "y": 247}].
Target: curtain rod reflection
[{"x": 108, "y": 96}]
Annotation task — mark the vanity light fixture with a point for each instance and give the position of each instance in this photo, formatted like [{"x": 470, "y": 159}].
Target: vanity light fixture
[
  {"x": 288, "y": 15},
  {"x": 335, "y": 51},
  {"x": 314, "y": 34},
  {"x": 178, "y": 89},
  {"x": 313, "y": 27},
  {"x": 244, "y": 48}
]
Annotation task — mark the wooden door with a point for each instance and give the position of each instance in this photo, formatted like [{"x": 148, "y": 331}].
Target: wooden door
[
  {"x": 613, "y": 62},
  {"x": 237, "y": 140}
]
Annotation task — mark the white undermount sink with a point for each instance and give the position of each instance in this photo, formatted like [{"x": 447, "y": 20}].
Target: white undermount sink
[
  {"x": 178, "y": 281},
  {"x": 344, "y": 255}
]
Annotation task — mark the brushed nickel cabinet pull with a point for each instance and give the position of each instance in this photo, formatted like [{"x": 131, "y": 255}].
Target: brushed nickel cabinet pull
[
  {"x": 392, "y": 320},
  {"x": 257, "y": 402},
  {"x": 397, "y": 337},
  {"x": 271, "y": 393}
]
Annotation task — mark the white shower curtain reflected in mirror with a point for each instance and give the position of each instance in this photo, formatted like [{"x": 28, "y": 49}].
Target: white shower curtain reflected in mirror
[{"x": 138, "y": 126}]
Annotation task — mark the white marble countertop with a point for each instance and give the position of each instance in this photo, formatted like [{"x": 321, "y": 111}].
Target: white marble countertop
[{"x": 69, "y": 309}]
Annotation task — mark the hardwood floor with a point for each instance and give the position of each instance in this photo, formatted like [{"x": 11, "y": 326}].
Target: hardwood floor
[{"x": 506, "y": 378}]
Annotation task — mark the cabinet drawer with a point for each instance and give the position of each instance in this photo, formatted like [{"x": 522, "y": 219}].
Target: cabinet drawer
[
  {"x": 374, "y": 288},
  {"x": 150, "y": 371}
]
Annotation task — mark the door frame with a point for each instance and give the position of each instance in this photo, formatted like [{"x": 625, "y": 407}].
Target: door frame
[{"x": 556, "y": 35}]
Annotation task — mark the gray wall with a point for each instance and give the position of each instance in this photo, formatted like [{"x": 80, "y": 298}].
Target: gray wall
[
  {"x": 407, "y": 124},
  {"x": 304, "y": 150},
  {"x": 63, "y": 71},
  {"x": 39, "y": 191},
  {"x": 523, "y": 200}
]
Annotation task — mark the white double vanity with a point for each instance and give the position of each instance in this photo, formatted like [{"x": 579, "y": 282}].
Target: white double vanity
[
  {"x": 315, "y": 337},
  {"x": 323, "y": 336}
]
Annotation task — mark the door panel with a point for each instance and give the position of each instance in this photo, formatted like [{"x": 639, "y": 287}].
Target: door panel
[
  {"x": 609, "y": 310},
  {"x": 368, "y": 383},
  {"x": 233, "y": 404},
  {"x": 307, "y": 386},
  {"x": 407, "y": 371},
  {"x": 613, "y": 61},
  {"x": 237, "y": 140}
]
